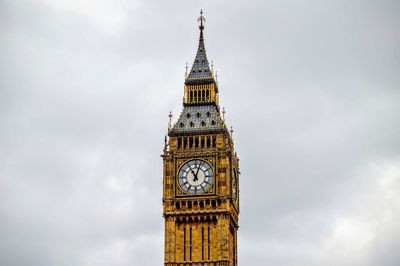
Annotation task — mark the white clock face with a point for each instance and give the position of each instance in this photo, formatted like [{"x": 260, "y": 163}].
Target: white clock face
[
  {"x": 196, "y": 177},
  {"x": 234, "y": 187}
]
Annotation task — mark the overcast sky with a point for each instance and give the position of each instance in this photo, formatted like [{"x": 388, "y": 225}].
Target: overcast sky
[{"x": 311, "y": 88}]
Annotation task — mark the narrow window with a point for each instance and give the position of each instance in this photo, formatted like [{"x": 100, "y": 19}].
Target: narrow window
[
  {"x": 202, "y": 142},
  {"x": 190, "y": 247},
  {"x": 214, "y": 141},
  {"x": 184, "y": 243},
  {"x": 188, "y": 115},
  {"x": 185, "y": 143},
  {"x": 191, "y": 124},
  {"x": 208, "y": 142},
  {"x": 203, "y": 124},
  {"x": 196, "y": 142},
  {"x": 208, "y": 95},
  {"x": 208, "y": 114},
  {"x": 190, "y": 142},
  {"x": 202, "y": 243},
  {"x": 213, "y": 123},
  {"x": 198, "y": 115},
  {"x": 179, "y": 143},
  {"x": 191, "y": 96},
  {"x": 181, "y": 124},
  {"x": 208, "y": 246}
]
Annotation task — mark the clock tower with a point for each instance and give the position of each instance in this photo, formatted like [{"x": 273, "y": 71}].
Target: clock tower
[{"x": 200, "y": 175}]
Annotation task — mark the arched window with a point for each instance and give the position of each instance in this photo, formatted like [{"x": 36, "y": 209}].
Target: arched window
[
  {"x": 208, "y": 114},
  {"x": 191, "y": 124},
  {"x": 203, "y": 124},
  {"x": 198, "y": 115},
  {"x": 179, "y": 143},
  {"x": 190, "y": 142},
  {"x": 213, "y": 123},
  {"x": 188, "y": 115},
  {"x": 181, "y": 124}
]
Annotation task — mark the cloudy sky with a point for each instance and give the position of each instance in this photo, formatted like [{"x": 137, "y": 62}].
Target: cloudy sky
[{"x": 312, "y": 89}]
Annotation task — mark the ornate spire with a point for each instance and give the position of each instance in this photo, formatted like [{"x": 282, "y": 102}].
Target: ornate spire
[{"x": 201, "y": 68}]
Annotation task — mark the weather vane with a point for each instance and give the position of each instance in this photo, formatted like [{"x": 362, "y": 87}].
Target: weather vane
[{"x": 201, "y": 19}]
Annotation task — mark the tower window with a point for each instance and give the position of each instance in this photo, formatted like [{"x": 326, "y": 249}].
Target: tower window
[
  {"x": 213, "y": 123},
  {"x": 190, "y": 142},
  {"x": 208, "y": 114},
  {"x": 203, "y": 124},
  {"x": 191, "y": 124},
  {"x": 208, "y": 242},
  {"x": 187, "y": 115},
  {"x": 179, "y": 143},
  {"x": 181, "y": 124},
  {"x": 198, "y": 115}
]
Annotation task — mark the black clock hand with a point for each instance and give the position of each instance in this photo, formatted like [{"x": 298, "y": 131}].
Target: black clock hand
[
  {"x": 199, "y": 168},
  {"x": 194, "y": 175}
]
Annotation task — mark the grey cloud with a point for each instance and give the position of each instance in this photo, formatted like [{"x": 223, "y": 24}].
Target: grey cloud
[{"x": 311, "y": 89}]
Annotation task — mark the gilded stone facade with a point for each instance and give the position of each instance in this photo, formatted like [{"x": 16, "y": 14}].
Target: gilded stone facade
[{"x": 200, "y": 176}]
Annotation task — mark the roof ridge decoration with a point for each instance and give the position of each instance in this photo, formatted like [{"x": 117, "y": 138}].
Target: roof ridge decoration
[{"x": 201, "y": 68}]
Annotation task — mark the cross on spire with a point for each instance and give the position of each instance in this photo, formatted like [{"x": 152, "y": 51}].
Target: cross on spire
[{"x": 201, "y": 19}]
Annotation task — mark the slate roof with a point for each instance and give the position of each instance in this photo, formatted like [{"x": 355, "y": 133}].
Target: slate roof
[{"x": 197, "y": 119}]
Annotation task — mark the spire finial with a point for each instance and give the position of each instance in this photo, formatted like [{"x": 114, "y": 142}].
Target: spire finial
[
  {"x": 186, "y": 72},
  {"x": 201, "y": 19},
  {"x": 170, "y": 118}
]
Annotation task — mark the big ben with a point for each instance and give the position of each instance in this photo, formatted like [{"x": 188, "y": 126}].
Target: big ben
[{"x": 200, "y": 175}]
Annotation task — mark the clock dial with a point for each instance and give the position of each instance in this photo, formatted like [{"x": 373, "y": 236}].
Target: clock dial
[
  {"x": 234, "y": 187},
  {"x": 196, "y": 177}
]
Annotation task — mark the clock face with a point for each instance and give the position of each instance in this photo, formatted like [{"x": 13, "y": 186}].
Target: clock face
[
  {"x": 196, "y": 177},
  {"x": 234, "y": 187}
]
